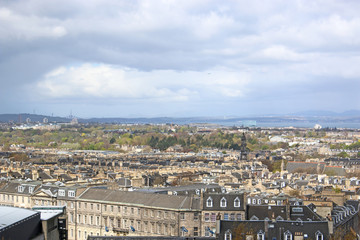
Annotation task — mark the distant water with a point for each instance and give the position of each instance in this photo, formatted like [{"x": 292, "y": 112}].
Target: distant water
[{"x": 352, "y": 125}]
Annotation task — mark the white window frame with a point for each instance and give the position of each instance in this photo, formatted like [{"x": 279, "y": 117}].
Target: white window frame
[
  {"x": 260, "y": 235},
  {"x": 61, "y": 192},
  {"x": 287, "y": 235},
  {"x": 71, "y": 193},
  {"x": 228, "y": 235},
  {"x": 223, "y": 202},
  {"x": 21, "y": 188},
  {"x": 319, "y": 236},
  {"x": 209, "y": 202},
  {"x": 237, "y": 202}
]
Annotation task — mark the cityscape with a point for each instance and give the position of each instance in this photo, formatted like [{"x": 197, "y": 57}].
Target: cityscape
[{"x": 179, "y": 120}]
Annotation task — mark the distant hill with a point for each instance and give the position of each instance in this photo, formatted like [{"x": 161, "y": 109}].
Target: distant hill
[
  {"x": 352, "y": 116},
  {"x": 349, "y": 113},
  {"x": 34, "y": 118}
]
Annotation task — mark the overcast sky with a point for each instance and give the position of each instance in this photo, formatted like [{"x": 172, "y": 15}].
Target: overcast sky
[{"x": 99, "y": 58}]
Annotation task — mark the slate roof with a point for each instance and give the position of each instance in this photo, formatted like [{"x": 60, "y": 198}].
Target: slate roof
[
  {"x": 229, "y": 197},
  {"x": 277, "y": 228},
  {"x": 266, "y": 211},
  {"x": 144, "y": 199}
]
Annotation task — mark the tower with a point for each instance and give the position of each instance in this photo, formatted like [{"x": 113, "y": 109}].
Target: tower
[{"x": 243, "y": 149}]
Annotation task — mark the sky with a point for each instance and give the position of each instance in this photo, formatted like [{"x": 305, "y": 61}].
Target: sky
[{"x": 118, "y": 58}]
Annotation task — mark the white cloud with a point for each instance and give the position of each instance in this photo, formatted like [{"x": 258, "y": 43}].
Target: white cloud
[
  {"x": 106, "y": 81},
  {"x": 14, "y": 26}
]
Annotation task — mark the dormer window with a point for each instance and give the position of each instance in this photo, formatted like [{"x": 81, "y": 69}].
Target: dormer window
[
  {"x": 31, "y": 189},
  {"x": 223, "y": 202},
  {"x": 21, "y": 188},
  {"x": 259, "y": 201},
  {"x": 62, "y": 192},
  {"x": 228, "y": 235},
  {"x": 71, "y": 193},
  {"x": 261, "y": 235},
  {"x": 319, "y": 236},
  {"x": 209, "y": 202},
  {"x": 237, "y": 202},
  {"x": 287, "y": 235}
]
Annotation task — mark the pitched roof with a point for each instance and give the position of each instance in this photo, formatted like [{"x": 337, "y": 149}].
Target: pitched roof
[{"x": 144, "y": 199}]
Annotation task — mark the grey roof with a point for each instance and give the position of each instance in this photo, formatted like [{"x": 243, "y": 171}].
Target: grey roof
[
  {"x": 11, "y": 215},
  {"x": 143, "y": 199}
]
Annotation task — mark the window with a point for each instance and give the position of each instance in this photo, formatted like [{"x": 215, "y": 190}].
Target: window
[
  {"x": 85, "y": 205},
  {"x": 297, "y": 210},
  {"x": 207, "y": 233},
  {"x": 104, "y": 207},
  {"x": 213, "y": 217},
  {"x": 238, "y": 216},
  {"x": 254, "y": 201},
  {"x": 226, "y": 216},
  {"x": 98, "y": 207},
  {"x": 207, "y": 217},
  {"x": 259, "y": 201},
  {"x": 31, "y": 189},
  {"x": 196, "y": 216},
  {"x": 223, "y": 202},
  {"x": 319, "y": 236},
  {"x": 209, "y": 202},
  {"x": 196, "y": 231},
  {"x": 21, "y": 188},
  {"x": 61, "y": 192},
  {"x": 182, "y": 216},
  {"x": 91, "y": 206},
  {"x": 228, "y": 235},
  {"x": 232, "y": 216},
  {"x": 71, "y": 194},
  {"x": 260, "y": 235},
  {"x": 237, "y": 202},
  {"x": 287, "y": 235},
  {"x": 112, "y": 208}
]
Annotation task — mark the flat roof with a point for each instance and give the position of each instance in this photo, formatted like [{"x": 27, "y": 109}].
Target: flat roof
[{"x": 12, "y": 215}]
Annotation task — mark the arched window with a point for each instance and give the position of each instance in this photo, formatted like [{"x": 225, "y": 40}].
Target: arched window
[
  {"x": 237, "y": 202},
  {"x": 260, "y": 235},
  {"x": 223, "y": 202},
  {"x": 279, "y": 218},
  {"x": 287, "y": 235},
  {"x": 209, "y": 202},
  {"x": 319, "y": 236},
  {"x": 228, "y": 235}
]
